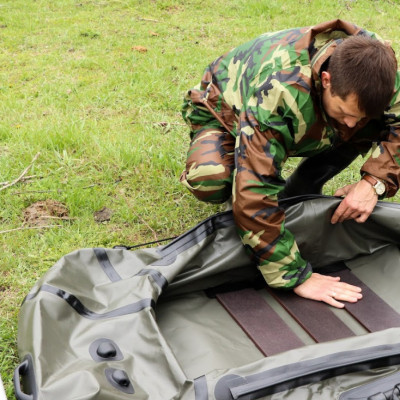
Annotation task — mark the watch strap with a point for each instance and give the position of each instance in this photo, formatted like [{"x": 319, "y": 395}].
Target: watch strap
[
  {"x": 376, "y": 185},
  {"x": 370, "y": 179}
]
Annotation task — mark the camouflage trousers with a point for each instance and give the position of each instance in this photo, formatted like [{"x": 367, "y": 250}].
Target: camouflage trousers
[
  {"x": 210, "y": 165},
  {"x": 210, "y": 161}
]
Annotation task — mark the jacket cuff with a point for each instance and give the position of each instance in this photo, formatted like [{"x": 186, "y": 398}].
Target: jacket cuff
[{"x": 305, "y": 274}]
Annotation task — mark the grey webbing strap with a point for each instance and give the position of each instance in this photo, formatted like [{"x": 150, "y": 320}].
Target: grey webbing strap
[
  {"x": 371, "y": 311},
  {"x": 259, "y": 321}
]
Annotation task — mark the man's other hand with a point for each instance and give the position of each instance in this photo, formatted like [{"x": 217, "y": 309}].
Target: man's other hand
[
  {"x": 359, "y": 201},
  {"x": 328, "y": 289}
]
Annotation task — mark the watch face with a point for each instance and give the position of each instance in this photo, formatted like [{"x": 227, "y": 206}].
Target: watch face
[{"x": 380, "y": 188}]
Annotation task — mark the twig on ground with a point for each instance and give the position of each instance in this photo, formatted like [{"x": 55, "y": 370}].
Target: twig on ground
[
  {"x": 161, "y": 123},
  {"x": 37, "y": 191},
  {"x": 54, "y": 217},
  {"x": 25, "y": 178},
  {"x": 63, "y": 190},
  {"x": 152, "y": 230},
  {"x": 148, "y": 19},
  {"x": 31, "y": 227},
  {"x": 127, "y": 201},
  {"x": 24, "y": 172}
]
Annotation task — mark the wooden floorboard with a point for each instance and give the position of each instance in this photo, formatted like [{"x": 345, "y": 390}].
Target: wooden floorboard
[{"x": 261, "y": 323}]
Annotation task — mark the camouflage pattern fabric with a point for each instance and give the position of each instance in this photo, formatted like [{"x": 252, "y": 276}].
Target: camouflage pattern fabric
[{"x": 256, "y": 106}]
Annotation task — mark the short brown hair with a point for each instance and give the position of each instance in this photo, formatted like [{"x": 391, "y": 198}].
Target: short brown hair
[{"x": 367, "y": 68}]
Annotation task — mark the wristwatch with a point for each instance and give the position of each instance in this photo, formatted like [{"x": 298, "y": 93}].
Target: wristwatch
[{"x": 378, "y": 185}]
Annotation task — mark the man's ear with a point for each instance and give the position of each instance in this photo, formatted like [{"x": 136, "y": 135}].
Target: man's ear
[{"x": 325, "y": 79}]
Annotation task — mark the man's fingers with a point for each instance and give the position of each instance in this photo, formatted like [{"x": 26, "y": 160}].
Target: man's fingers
[
  {"x": 348, "y": 214},
  {"x": 343, "y": 190},
  {"x": 358, "y": 216},
  {"x": 351, "y": 297},
  {"x": 361, "y": 218},
  {"x": 345, "y": 292},
  {"x": 337, "y": 214},
  {"x": 333, "y": 302},
  {"x": 357, "y": 204},
  {"x": 341, "y": 214},
  {"x": 328, "y": 289},
  {"x": 355, "y": 215},
  {"x": 339, "y": 193}
]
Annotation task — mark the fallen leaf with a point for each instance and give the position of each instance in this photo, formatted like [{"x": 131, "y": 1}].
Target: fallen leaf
[{"x": 140, "y": 49}]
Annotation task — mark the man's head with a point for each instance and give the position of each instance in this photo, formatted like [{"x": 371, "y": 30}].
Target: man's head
[{"x": 360, "y": 77}]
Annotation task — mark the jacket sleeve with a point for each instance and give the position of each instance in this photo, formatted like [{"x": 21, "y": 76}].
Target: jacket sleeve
[
  {"x": 384, "y": 162},
  {"x": 260, "y": 220}
]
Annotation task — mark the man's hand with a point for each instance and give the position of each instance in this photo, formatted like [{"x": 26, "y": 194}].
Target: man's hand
[
  {"x": 360, "y": 199},
  {"x": 328, "y": 289}
]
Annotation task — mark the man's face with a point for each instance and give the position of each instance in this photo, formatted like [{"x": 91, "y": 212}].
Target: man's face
[{"x": 346, "y": 112}]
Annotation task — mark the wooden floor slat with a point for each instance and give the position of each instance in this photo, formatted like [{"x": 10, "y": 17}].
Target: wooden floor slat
[
  {"x": 316, "y": 318},
  {"x": 261, "y": 323},
  {"x": 371, "y": 311},
  {"x": 270, "y": 333}
]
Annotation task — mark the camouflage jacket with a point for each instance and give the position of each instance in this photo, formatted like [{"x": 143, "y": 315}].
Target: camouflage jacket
[{"x": 267, "y": 93}]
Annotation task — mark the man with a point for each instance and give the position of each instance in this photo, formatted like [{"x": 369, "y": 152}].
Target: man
[{"x": 326, "y": 93}]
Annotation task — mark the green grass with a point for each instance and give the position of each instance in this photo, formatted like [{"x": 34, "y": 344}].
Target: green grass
[{"x": 106, "y": 118}]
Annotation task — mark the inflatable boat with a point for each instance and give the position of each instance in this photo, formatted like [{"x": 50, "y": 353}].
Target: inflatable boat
[{"x": 194, "y": 320}]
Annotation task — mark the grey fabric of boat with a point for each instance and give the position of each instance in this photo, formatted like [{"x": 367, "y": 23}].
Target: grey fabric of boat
[{"x": 112, "y": 324}]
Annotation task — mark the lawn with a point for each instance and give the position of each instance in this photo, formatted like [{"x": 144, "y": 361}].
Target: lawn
[{"x": 90, "y": 127}]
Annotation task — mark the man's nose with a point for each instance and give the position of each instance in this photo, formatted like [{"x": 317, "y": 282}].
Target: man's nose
[{"x": 351, "y": 122}]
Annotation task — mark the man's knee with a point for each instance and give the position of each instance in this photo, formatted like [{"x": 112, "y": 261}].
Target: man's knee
[
  {"x": 209, "y": 166},
  {"x": 209, "y": 183}
]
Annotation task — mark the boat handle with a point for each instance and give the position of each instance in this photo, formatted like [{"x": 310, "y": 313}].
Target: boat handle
[{"x": 21, "y": 370}]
